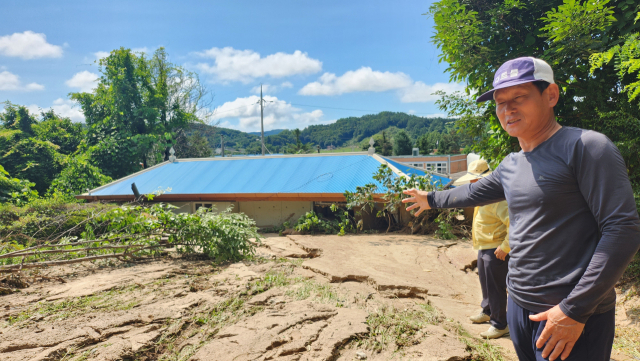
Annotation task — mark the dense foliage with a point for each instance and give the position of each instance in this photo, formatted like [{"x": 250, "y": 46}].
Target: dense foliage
[
  {"x": 35, "y": 148},
  {"x": 591, "y": 45},
  {"x": 402, "y": 144},
  {"x": 445, "y": 223},
  {"x": 53, "y": 231},
  {"x": 139, "y": 108}
]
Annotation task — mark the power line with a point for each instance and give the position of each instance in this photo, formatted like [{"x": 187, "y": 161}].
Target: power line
[{"x": 319, "y": 106}]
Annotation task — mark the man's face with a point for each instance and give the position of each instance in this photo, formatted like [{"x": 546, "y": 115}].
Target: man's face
[{"x": 522, "y": 110}]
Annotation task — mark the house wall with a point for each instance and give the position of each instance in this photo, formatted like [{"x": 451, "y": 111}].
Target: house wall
[
  {"x": 189, "y": 207},
  {"x": 274, "y": 213},
  {"x": 265, "y": 213}
]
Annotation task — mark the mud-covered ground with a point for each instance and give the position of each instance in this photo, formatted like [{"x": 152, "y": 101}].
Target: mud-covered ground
[{"x": 375, "y": 297}]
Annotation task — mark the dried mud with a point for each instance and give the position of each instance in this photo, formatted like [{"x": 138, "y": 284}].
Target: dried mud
[{"x": 377, "y": 297}]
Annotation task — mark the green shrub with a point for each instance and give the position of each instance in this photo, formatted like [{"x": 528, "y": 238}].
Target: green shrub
[
  {"x": 83, "y": 230},
  {"x": 223, "y": 236},
  {"x": 46, "y": 219},
  {"x": 311, "y": 223}
]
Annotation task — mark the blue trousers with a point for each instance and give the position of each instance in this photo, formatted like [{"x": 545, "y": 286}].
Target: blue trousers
[
  {"x": 493, "y": 282},
  {"x": 593, "y": 345}
]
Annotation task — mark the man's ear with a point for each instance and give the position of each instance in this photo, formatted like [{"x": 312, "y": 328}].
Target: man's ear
[{"x": 553, "y": 94}]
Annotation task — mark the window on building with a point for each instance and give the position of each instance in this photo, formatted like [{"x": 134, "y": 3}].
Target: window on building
[
  {"x": 197, "y": 206},
  {"x": 438, "y": 167}
]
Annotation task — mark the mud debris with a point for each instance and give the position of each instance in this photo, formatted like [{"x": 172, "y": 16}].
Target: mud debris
[{"x": 302, "y": 298}]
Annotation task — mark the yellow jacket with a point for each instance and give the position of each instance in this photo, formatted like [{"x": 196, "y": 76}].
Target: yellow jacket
[{"x": 491, "y": 227}]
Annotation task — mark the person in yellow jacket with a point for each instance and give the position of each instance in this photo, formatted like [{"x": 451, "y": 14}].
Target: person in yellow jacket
[{"x": 490, "y": 235}]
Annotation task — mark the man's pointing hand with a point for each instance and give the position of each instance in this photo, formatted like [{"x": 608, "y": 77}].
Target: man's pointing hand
[{"x": 417, "y": 197}]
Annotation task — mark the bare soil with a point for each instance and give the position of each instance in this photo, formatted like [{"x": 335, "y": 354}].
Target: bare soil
[{"x": 374, "y": 297}]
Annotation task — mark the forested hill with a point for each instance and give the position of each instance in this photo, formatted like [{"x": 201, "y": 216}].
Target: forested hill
[
  {"x": 355, "y": 129},
  {"x": 345, "y": 131}
]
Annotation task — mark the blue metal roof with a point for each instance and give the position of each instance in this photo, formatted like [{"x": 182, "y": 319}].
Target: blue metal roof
[
  {"x": 410, "y": 170},
  {"x": 288, "y": 174}
]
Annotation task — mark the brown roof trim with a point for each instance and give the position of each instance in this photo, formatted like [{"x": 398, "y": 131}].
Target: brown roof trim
[{"x": 232, "y": 197}]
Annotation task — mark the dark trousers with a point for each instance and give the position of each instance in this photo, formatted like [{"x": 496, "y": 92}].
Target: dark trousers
[
  {"x": 493, "y": 281},
  {"x": 593, "y": 345}
]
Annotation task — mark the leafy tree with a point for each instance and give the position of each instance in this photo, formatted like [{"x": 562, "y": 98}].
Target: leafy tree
[
  {"x": 59, "y": 131},
  {"x": 385, "y": 145},
  {"x": 77, "y": 177},
  {"x": 34, "y": 149},
  {"x": 627, "y": 62},
  {"x": 299, "y": 147},
  {"x": 15, "y": 190},
  {"x": 449, "y": 143},
  {"x": 17, "y": 117},
  {"x": 476, "y": 37},
  {"x": 192, "y": 146},
  {"x": 402, "y": 144},
  {"x": 35, "y": 160},
  {"x": 428, "y": 142},
  {"x": 137, "y": 109}
]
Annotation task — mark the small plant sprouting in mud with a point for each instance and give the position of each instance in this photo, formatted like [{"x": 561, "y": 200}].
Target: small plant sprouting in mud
[
  {"x": 480, "y": 350},
  {"x": 323, "y": 293},
  {"x": 398, "y": 328}
]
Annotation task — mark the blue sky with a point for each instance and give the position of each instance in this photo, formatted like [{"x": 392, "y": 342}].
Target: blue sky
[{"x": 311, "y": 56}]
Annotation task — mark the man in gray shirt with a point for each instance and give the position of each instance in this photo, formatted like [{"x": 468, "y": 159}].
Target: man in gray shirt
[{"x": 574, "y": 224}]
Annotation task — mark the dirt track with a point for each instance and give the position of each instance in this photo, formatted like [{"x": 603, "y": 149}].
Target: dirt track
[{"x": 305, "y": 298}]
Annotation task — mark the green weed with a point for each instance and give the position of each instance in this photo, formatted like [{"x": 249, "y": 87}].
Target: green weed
[
  {"x": 398, "y": 328},
  {"x": 321, "y": 292}
]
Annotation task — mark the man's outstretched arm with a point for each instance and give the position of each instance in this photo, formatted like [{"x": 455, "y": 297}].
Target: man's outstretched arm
[{"x": 485, "y": 191}]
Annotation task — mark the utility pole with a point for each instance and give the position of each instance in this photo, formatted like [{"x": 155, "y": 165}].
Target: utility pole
[
  {"x": 261, "y": 119},
  {"x": 222, "y": 143}
]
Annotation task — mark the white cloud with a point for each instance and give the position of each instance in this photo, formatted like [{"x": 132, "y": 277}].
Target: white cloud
[
  {"x": 28, "y": 45},
  {"x": 363, "y": 79},
  {"x": 84, "y": 80},
  {"x": 64, "y": 108},
  {"x": 271, "y": 89},
  {"x": 411, "y": 111},
  {"x": 245, "y": 65},
  {"x": 420, "y": 92},
  {"x": 10, "y": 81},
  {"x": 277, "y": 114},
  {"x": 367, "y": 80},
  {"x": 101, "y": 54}
]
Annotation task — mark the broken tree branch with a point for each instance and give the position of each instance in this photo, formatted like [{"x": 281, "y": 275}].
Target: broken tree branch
[{"x": 16, "y": 267}]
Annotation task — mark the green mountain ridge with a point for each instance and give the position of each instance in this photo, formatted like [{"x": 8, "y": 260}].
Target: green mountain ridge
[{"x": 345, "y": 132}]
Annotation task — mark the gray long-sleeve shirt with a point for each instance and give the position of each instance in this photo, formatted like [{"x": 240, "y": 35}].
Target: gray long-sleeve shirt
[{"x": 574, "y": 224}]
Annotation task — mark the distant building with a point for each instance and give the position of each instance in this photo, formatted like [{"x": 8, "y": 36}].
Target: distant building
[
  {"x": 270, "y": 189},
  {"x": 441, "y": 164}
]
